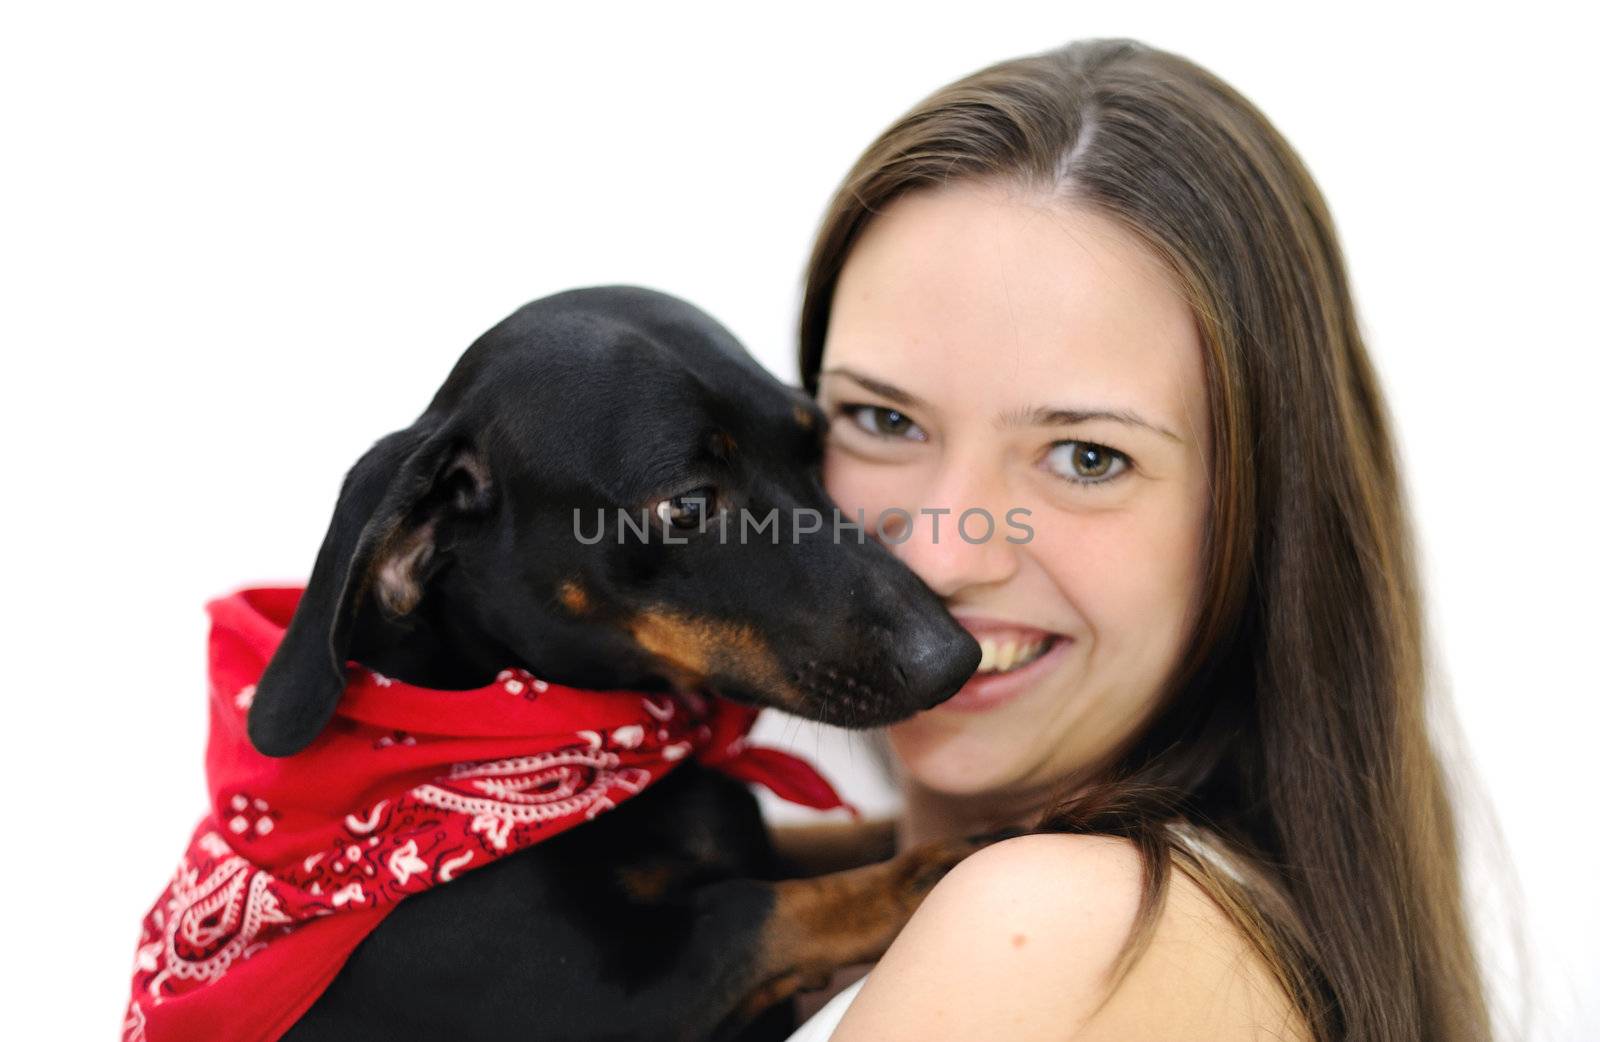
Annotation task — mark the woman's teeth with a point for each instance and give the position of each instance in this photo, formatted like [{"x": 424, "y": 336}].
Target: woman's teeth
[{"x": 1002, "y": 656}]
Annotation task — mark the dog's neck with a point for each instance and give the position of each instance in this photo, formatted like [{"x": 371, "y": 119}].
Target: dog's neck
[{"x": 425, "y": 649}]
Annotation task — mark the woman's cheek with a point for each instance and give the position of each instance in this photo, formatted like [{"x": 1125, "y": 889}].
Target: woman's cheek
[
  {"x": 837, "y": 479},
  {"x": 1080, "y": 552},
  {"x": 856, "y": 485}
]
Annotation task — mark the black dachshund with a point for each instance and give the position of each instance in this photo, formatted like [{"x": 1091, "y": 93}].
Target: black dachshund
[{"x": 453, "y": 553}]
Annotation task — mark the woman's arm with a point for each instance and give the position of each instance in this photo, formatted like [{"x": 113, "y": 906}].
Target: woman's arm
[{"x": 1018, "y": 941}]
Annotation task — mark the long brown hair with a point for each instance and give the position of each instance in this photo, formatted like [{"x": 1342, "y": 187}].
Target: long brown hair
[{"x": 1294, "y": 728}]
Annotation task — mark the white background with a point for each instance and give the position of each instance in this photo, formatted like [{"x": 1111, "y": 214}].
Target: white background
[{"x": 240, "y": 245}]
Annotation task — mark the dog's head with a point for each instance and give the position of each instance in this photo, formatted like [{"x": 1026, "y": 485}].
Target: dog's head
[{"x": 610, "y": 492}]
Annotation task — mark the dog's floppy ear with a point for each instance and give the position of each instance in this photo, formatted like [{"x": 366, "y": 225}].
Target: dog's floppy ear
[{"x": 381, "y": 540}]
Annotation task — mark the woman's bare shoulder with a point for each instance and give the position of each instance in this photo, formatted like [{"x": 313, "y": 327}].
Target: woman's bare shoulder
[{"x": 1021, "y": 938}]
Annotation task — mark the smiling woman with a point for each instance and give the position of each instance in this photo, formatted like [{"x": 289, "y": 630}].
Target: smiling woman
[
  {"x": 1095, "y": 288},
  {"x": 1042, "y": 305}
]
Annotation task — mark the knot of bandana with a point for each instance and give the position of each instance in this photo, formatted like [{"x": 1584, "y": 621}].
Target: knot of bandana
[{"x": 407, "y": 788}]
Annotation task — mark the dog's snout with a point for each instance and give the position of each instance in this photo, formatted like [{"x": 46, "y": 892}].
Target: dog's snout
[{"x": 937, "y": 660}]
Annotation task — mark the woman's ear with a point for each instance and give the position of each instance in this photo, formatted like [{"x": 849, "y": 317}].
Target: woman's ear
[{"x": 381, "y": 542}]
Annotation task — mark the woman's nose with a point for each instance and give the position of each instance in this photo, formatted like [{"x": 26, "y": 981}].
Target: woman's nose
[{"x": 955, "y": 536}]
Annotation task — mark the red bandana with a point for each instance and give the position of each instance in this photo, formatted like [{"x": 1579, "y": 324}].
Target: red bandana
[{"x": 407, "y": 788}]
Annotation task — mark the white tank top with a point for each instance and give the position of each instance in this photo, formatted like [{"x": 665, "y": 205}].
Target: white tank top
[{"x": 820, "y": 1027}]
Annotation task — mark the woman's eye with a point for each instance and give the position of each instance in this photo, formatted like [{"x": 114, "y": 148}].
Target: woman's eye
[
  {"x": 687, "y": 510},
  {"x": 883, "y": 422},
  {"x": 1087, "y": 463}
]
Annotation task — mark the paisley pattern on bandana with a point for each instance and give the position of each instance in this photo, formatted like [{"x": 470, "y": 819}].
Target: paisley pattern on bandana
[{"x": 297, "y": 861}]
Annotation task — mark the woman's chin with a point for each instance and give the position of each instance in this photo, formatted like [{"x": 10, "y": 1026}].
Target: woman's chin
[
  {"x": 969, "y": 753},
  {"x": 954, "y": 765}
]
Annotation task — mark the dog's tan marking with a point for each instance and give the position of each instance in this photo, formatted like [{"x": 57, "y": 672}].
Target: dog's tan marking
[
  {"x": 722, "y": 444},
  {"x": 646, "y": 884},
  {"x": 816, "y": 848},
  {"x": 677, "y": 643},
  {"x": 573, "y": 596},
  {"x": 693, "y": 649},
  {"x": 804, "y": 418}
]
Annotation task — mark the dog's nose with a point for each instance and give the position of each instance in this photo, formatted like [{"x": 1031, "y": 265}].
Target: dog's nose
[{"x": 937, "y": 660}]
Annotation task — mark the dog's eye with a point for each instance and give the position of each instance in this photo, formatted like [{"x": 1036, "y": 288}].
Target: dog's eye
[{"x": 687, "y": 510}]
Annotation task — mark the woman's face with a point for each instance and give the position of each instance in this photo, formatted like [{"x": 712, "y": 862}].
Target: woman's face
[{"x": 988, "y": 348}]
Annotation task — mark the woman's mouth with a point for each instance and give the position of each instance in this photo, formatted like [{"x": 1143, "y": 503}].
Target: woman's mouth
[
  {"x": 1014, "y": 657},
  {"x": 1001, "y": 655}
]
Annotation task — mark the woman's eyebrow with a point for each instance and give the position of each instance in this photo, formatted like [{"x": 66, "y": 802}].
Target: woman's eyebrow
[
  {"x": 1038, "y": 416},
  {"x": 1053, "y": 416},
  {"x": 880, "y": 387}
]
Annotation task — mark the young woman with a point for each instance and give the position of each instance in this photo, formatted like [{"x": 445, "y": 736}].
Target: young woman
[{"x": 1094, "y": 296}]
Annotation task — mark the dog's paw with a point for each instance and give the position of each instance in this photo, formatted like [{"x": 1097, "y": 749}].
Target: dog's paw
[{"x": 920, "y": 868}]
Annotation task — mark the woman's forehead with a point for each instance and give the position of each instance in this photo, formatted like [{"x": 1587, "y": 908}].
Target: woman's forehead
[{"x": 993, "y": 294}]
